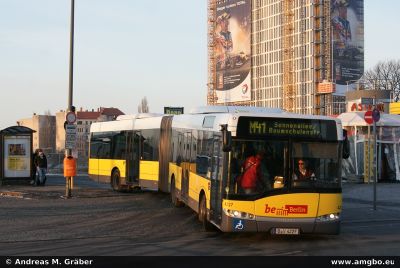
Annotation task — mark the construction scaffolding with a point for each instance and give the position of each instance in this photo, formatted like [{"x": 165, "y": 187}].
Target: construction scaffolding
[
  {"x": 303, "y": 53},
  {"x": 289, "y": 88},
  {"x": 212, "y": 65},
  {"x": 323, "y": 57},
  {"x": 327, "y": 40}
]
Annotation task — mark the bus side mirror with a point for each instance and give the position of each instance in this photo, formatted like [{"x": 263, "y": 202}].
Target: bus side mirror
[
  {"x": 226, "y": 139},
  {"x": 346, "y": 145}
]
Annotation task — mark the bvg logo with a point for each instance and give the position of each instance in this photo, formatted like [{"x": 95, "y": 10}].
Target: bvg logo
[{"x": 286, "y": 210}]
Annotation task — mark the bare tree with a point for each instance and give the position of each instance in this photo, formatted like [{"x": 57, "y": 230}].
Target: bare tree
[
  {"x": 384, "y": 76},
  {"x": 143, "y": 106}
]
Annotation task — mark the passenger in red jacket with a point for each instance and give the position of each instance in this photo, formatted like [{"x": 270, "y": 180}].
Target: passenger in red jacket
[{"x": 252, "y": 174}]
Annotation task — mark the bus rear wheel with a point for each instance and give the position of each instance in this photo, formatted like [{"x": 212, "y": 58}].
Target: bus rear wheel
[
  {"x": 115, "y": 180},
  {"x": 174, "y": 199},
  {"x": 207, "y": 226}
]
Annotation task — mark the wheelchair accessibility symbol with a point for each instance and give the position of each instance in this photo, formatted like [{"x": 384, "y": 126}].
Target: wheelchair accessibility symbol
[{"x": 238, "y": 225}]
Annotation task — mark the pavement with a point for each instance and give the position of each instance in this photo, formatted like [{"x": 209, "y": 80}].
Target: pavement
[
  {"x": 387, "y": 194},
  {"x": 359, "y": 206},
  {"x": 358, "y": 198},
  {"x": 56, "y": 188}
]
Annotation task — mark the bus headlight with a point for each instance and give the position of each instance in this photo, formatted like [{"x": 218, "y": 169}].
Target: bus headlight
[
  {"x": 329, "y": 217},
  {"x": 239, "y": 214}
]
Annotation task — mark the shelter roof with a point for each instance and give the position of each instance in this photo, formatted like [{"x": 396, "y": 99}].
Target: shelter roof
[
  {"x": 356, "y": 119},
  {"x": 14, "y": 130}
]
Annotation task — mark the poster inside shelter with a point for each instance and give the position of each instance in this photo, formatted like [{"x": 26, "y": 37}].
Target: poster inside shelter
[{"x": 17, "y": 156}]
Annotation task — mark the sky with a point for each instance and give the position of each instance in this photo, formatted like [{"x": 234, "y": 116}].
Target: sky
[{"x": 126, "y": 50}]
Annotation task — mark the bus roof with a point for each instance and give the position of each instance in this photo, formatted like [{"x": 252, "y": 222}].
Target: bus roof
[
  {"x": 137, "y": 116},
  {"x": 129, "y": 122},
  {"x": 202, "y": 118},
  {"x": 233, "y": 109},
  {"x": 211, "y": 117}
]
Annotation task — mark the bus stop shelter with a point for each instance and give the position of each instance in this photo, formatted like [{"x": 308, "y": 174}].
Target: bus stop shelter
[
  {"x": 387, "y": 149},
  {"x": 16, "y": 163}
]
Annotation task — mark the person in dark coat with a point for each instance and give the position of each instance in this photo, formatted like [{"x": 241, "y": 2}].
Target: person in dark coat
[
  {"x": 41, "y": 167},
  {"x": 34, "y": 170}
]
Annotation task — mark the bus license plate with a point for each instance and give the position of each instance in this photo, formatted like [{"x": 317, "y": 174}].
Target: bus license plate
[{"x": 286, "y": 231}]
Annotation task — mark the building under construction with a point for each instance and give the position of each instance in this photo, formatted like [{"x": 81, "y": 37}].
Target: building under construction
[{"x": 299, "y": 55}]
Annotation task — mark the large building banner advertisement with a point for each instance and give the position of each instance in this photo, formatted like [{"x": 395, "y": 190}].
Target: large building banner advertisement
[
  {"x": 233, "y": 50},
  {"x": 347, "y": 40}
]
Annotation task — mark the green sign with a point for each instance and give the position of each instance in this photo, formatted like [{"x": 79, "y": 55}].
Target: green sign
[{"x": 173, "y": 110}]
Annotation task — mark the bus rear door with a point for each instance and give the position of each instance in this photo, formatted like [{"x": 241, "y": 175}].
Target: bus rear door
[
  {"x": 132, "y": 158},
  {"x": 187, "y": 141}
]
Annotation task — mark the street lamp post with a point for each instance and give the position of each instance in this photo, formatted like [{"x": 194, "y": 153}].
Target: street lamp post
[
  {"x": 71, "y": 57},
  {"x": 68, "y": 151}
]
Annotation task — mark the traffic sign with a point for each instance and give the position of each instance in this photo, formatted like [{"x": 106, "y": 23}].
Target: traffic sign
[
  {"x": 71, "y": 117},
  {"x": 376, "y": 115},
  {"x": 70, "y": 136},
  {"x": 368, "y": 117}
]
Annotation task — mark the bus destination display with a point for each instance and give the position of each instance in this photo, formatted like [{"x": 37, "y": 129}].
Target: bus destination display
[{"x": 286, "y": 127}]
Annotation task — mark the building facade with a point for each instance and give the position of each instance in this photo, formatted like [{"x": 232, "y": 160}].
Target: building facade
[
  {"x": 84, "y": 119},
  {"x": 45, "y": 135},
  {"x": 304, "y": 53}
]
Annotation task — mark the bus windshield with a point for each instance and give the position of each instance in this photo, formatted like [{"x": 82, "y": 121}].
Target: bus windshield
[
  {"x": 262, "y": 166},
  {"x": 315, "y": 164}
]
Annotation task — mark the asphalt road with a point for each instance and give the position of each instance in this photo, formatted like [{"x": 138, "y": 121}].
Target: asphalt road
[{"x": 37, "y": 221}]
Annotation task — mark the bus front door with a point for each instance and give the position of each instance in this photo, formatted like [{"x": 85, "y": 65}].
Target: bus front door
[{"x": 216, "y": 182}]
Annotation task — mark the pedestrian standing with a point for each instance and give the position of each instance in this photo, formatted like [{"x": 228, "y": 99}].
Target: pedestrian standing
[{"x": 41, "y": 167}]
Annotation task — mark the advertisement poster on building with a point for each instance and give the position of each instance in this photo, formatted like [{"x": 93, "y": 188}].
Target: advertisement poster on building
[
  {"x": 17, "y": 155},
  {"x": 233, "y": 51},
  {"x": 347, "y": 40}
]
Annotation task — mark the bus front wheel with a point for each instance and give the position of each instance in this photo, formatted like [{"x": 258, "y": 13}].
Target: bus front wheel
[
  {"x": 207, "y": 226},
  {"x": 115, "y": 180}
]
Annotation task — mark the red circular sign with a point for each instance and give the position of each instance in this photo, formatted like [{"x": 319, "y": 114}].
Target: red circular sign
[
  {"x": 71, "y": 117},
  {"x": 368, "y": 117}
]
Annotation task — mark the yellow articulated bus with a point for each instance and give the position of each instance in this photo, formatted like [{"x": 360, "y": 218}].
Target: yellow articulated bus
[
  {"x": 204, "y": 158},
  {"x": 126, "y": 152}
]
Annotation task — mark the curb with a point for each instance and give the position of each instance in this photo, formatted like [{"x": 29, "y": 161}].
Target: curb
[{"x": 12, "y": 194}]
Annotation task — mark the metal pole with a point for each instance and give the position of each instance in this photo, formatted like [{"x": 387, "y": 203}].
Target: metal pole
[
  {"x": 375, "y": 158},
  {"x": 355, "y": 148},
  {"x": 71, "y": 57},
  {"x": 68, "y": 152},
  {"x": 369, "y": 155}
]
